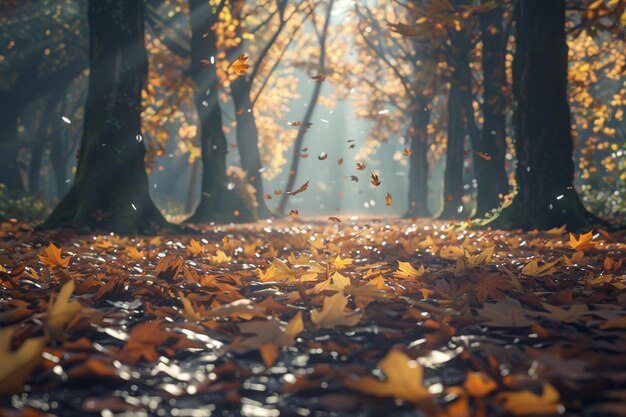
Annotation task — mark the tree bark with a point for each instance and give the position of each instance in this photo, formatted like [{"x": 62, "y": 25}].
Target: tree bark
[
  {"x": 453, "y": 175},
  {"x": 10, "y": 174},
  {"x": 491, "y": 174},
  {"x": 545, "y": 195},
  {"x": 217, "y": 203},
  {"x": 418, "y": 163},
  {"x": 110, "y": 190},
  {"x": 247, "y": 142}
]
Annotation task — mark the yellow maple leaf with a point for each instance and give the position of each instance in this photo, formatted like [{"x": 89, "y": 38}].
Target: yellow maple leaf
[
  {"x": 135, "y": 254},
  {"x": 342, "y": 263},
  {"x": 16, "y": 365},
  {"x": 61, "y": 311},
  {"x": 188, "y": 311},
  {"x": 403, "y": 379},
  {"x": 406, "y": 271},
  {"x": 52, "y": 257},
  {"x": 195, "y": 248},
  {"x": 239, "y": 66},
  {"x": 533, "y": 269},
  {"x": 333, "y": 313},
  {"x": 295, "y": 325},
  {"x": 219, "y": 257},
  {"x": 583, "y": 242}
]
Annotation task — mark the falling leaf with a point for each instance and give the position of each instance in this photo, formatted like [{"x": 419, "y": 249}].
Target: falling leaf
[
  {"x": 319, "y": 78},
  {"x": 483, "y": 155},
  {"x": 374, "y": 180},
  {"x": 240, "y": 111},
  {"x": 583, "y": 242},
  {"x": 388, "y": 199},
  {"x": 296, "y": 123},
  {"x": 239, "y": 66},
  {"x": 16, "y": 365},
  {"x": 407, "y": 152},
  {"x": 302, "y": 188},
  {"x": 61, "y": 311},
  {"x": 334, "y": 219},
  {"x": 360, "y": 166},
  {"x": 354, "y": 178},
  {"x": 52, "y": 257},
  {"x": 340, "y": 161},
  {"x": 333, "y": 313},
  {"x": 294, "y": 213},
  {"x": 322, "y": 156},
  {"x": 403, "y": 379}
]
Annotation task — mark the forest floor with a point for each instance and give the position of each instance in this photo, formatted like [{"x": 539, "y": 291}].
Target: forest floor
[{"x": 293, "y": 318}]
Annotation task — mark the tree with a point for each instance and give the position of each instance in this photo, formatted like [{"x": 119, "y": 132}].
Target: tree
[
  {"x": 302, "y": 129},
  {"x": 545, "y": 195},
  {"x": 217, "y": 202},
  {"x": 110, "y": 190},
  {"x": 491, "y": 173}
]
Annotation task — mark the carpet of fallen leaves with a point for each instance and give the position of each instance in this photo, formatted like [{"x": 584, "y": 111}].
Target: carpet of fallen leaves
[{"x": 289, "y": 317}]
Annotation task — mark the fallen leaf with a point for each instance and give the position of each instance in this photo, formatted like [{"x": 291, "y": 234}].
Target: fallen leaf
[
  {"x": 583, "y": 242},
  {"x": 403, "y": 379},
  {"x": 52, "y": 257},
  {"x": 527, "y": 403},
  {"x": 333, "y": 313}
]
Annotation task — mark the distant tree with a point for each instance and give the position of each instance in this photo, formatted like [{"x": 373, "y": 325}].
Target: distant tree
[
  {"x": 322, "y": 35},
  {"x": 110, "y": 190},
  {"x": 37, "y": 59},
  {"x": 545, "y": 195},
  {"x": 217, "y": 201},
  {"x": 491, "y": 175}
]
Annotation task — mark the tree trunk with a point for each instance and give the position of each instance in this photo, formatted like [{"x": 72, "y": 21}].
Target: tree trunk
[
  {"x": 110, "y": 190},
  {"x": 453, "y": 175},
  {"x": 9, "y": 145},
  {"x": 216, "y": 200},
  {"x": 418, "y": 163},
  {"x": 491, "y": 174},
  {"x": 543, "y": 142},
  {"x": 248, "y": 141},
  {"x": 39, "y": 141},
  {"x": 308, "y": 115}
]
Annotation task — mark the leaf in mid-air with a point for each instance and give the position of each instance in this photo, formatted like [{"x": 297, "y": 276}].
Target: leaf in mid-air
[
  {"x": 239, "y": 66},
  {"x": 16, "y": 365}
]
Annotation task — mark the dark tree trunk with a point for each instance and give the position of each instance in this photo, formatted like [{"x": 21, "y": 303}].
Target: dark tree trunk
[
  {"x": 217, "y": 203},
  {"x": 308, "y": 115},
  {"x": 418, "y": 163},
  {"x": 543, "y": 142},
  {"x": 248, "y": 141},
  {"x": 453, "y": 176},
  {"x": 110, "y": 190},
  {"x": 10, "y": 174},
  {"x": 39, "y": 141},
  {"x": 491, "y": 174}
]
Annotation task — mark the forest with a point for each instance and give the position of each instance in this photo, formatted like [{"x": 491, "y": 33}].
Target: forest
[{"x": 312, "y": 208}]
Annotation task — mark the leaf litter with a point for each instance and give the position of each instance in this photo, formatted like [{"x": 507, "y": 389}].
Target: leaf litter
[{"x": 351, "y": 317}]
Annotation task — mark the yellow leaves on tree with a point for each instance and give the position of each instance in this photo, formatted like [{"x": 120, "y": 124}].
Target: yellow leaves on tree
[
  {"x": 403, "y": 379},
  {"x": 52, "y": 257}
]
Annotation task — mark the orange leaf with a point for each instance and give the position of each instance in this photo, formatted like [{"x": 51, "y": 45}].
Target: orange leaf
[
  {"x": 407, "y": 152},
  {"x": 483, "y": 155},
  {"x": 388, "y": 199},
  {"x": 302, "y": 188},
  {"x": 239, "y": 66},
  {"x": 52, "y": 257},
  {"x": 360, "y": 166}
]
